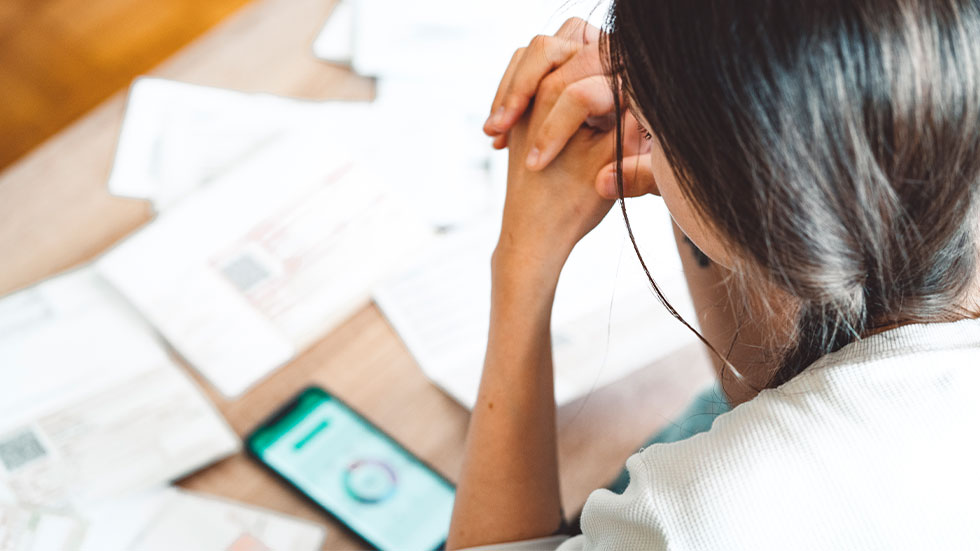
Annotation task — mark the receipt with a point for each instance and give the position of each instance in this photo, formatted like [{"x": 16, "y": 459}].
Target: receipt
[
  {"x": 177, "y": 137},
  {"x": 168, "y": 519},
  {"x": 253, "y": 269},
  {"x": 91, "y": 406},
  {"x": 195, "y": 522},
  {"x": 31, "y": 529}
]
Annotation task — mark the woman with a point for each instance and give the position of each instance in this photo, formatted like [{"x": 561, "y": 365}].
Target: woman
[{"x": 825, "y": 156}]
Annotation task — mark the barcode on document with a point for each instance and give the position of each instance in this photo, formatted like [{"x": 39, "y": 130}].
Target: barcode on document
[
  {"x": 245, "y": 272},
  {"x": 20, "y": 448}
]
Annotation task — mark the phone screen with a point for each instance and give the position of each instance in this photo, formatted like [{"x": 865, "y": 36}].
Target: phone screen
[{"x": 357, "y": 473}]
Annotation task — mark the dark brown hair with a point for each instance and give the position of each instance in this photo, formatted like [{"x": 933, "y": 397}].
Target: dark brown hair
[{"x": 835, "y": 144}]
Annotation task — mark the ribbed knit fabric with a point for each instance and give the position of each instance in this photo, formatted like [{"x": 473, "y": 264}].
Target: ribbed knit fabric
[{"x": 876, "y": 446}]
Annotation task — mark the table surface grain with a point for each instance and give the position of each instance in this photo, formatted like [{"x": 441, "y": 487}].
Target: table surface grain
[{"x": 55, "y": 213}]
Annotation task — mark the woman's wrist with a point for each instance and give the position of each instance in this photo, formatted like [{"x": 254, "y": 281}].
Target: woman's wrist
[{"x": 529, "y": 272}]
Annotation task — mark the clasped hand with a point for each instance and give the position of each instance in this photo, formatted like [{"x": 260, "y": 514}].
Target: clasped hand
[{"x": 554, "y": 111}]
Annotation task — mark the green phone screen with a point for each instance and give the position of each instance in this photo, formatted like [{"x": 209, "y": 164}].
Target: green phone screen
[{"x": 357, "y": 473}]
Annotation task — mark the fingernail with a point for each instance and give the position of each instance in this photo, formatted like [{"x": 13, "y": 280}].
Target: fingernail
[
  {"x": 497, "y": 117},
  {"x": 532, "y": 157}
]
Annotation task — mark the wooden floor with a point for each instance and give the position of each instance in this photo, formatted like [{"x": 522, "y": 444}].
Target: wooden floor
[{"x": 60, "y": 58}]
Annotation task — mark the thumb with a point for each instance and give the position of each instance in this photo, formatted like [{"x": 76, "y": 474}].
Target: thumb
[{"x": 637, "y": 178}]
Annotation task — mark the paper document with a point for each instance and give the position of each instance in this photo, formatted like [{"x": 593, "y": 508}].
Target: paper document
[
  {"x": 33, "y": 529},
  {"x": 162, "y": 519},
  {"x": 606, "y": 321},
  {"x": 424, "y": 137},
  {"x": 335, "y": 42},
  {"x": 255, "y": 268},
  {"x": 177, "y": 136},
  {"x": 438, "y": 37},
  {"x": 193, "y": 522},
  {"x": 174, "y": 519},
  {"x": 432, "y": 144},
  {"x": 91, "y": 406}
]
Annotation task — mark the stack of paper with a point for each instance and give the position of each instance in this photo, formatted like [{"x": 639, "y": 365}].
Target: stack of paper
[
  {"x": 177, "y": 137},
  {"x": 180, "y": 137},
  {"x": 91, "y": 406},
  {"x": 94, "y": 418}
]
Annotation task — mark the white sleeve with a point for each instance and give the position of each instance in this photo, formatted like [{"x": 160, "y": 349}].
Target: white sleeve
[
  {"x": 621, "y": 521},
  {"x": 550, "y": 543}
]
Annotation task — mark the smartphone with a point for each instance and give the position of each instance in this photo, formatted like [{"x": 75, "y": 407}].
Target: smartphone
[{"x": 355, "y": 472}]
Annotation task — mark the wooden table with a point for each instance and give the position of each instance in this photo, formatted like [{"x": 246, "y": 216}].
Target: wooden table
[{"x": 55, "y": 213}]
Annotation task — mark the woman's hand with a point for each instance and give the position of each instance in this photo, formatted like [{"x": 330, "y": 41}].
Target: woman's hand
[
  {"x": 569, "y": 56},
  {"x": 564, "y": 76},
  {"x": 546, "y": 212}
]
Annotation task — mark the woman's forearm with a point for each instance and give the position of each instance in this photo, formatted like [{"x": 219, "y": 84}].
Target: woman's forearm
[{"x": 508, "y": 487}]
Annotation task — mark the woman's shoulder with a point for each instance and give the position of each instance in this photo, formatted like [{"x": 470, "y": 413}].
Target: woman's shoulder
[{"x": 824, "y": 458}]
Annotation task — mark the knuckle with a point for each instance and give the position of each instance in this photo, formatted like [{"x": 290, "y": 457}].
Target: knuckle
[
  {"x": 539, "y": 42},
  {"x": 593, "y": 92},
  {"x": 580, "y": 93},
  {"x": 571, "y": 23},
  {"x": 551, "y": 86},
  {"x": 570, "y": 47}
]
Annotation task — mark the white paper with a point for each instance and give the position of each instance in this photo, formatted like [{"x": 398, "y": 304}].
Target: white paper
[
  {"x": 423, "y": 137},
  {"x": 335, "y": 42},
  {"x": 175, "y": 519},
  {"x": 447, "y": 37},
  {"x": 431, "y": 141},
  {"x": 112, "y": 525},
  {"x": 91, "y": 406},
  {"x": 606, "y": 321},
  {"x": 193, "y": 522},
  {"x": 34, "y": 529},
  {"x": 249, "y": 271},
  {"x": 177, "y": 136}
]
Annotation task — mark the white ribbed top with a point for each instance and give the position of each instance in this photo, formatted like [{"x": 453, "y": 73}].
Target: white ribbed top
[{"x": 876, "y": 446}]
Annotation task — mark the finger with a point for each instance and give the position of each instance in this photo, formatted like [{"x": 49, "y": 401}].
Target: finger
[
  {"x": 579, "y": 30},
  {"x": 637, "y": 178},
  {"x": 590, "y": 97},
  {"x": 502, "y": 88},
  {"x": 581, "y": 66},
  {"x": 587, "y": 62},
  {"x": 574, "y": 30},
  {"x": 543, "y": 55}
]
